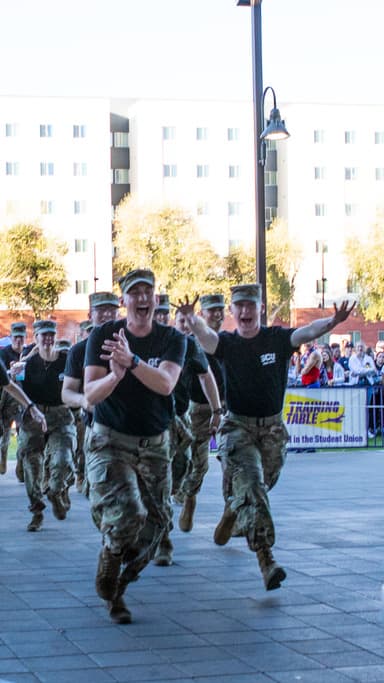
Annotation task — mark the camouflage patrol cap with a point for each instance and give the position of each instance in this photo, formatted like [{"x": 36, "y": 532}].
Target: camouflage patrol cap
[
  {"x": 86, "y": 325},
  {"x": 18, "y": 330},
  {"x": 134, "y": 277},
  {"x": 211, "y": 301},
  {"x": 42, "y": 326},
  {"x": 250, "y": 292},
  {"x": 63, "y": 345},
  {"x": 163, "y": 304},
  {"x": 103, "y": 299}
]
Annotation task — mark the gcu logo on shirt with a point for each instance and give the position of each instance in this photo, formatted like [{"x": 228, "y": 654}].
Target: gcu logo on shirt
[
  {"x": 268, "y": 358},
  {"x": 154, "y": 362}
]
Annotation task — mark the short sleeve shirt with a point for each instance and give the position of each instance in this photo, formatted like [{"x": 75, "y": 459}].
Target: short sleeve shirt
[
  {"x": 43, "y": 380},
  {"x": 74, "y": 366},
  {"x": 256, "y": 370},
  {"x": 197, "y": 394},
  {"x": 132, "y": 408},
  {"x": 7, "y": 355}
]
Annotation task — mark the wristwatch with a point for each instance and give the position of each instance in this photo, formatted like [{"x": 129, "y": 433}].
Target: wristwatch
[
  {"x": 135, "y": 362},
  {"x": 218, "y": 411}
]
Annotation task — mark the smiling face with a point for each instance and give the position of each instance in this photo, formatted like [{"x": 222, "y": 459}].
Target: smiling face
[
  {"x": 181, "y": 323},
  {"x": 140, "y": 302},
  {"x": 162, "y": 317},
  {"x": 17, "y": 343},
  {"x": 247, "y": 317},
  {"x": 213, "y": 317},
  {"x": 104, "y": 313},
  {"x": 45, "y": 340}
]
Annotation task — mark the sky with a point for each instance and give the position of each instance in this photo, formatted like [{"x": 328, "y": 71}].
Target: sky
[{"x": 313, "y": 50}]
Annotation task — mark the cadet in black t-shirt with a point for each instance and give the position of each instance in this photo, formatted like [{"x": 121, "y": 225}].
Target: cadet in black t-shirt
[
  {"x": 103, "y": 307},
  {"x": 252, "y": 436},
  {"x": 131, "y": 369},
  {"x": 10, "y": 410}
]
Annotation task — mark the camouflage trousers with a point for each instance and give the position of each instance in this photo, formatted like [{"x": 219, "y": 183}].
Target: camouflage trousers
[
  {"x": 56, "y": 447},
  {"x": 200, "y": 414},
  {"x": 252, "y": 453},
  {"x": 10, "y": 411},
  {"x": 79, "y": 458},
  {"x": 181, "y": 439},
  {"x": 129, "y": 491}
]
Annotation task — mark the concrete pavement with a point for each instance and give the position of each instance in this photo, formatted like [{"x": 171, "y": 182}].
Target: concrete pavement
[{"x": 207, "y": 618}]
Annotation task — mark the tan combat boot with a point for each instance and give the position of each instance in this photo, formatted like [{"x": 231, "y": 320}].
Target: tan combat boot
[
  {"x": 225, "y": 527},
  {"x": 118, "y": 611},
  {"x": 36, "y": 521},
  {"x": 108, "y": 571},
  {"x": 163, "y": 557},
  {"x": 272, "y": 573},
  {"x": 186, "y": 515},
  {"x": 58, "y": 507}
]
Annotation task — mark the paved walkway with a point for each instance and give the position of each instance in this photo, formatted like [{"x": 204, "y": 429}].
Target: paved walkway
[{"x": 207, "y": 618}]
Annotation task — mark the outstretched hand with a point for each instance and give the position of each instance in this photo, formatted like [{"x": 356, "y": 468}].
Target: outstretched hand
[
  {"x": 185, "y": 307},
  {"x": 342, "y": 312}
]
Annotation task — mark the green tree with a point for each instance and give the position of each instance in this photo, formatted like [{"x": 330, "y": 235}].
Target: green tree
[
  {"x": 283, "y": 261},
  {"x": 365, "y": 263},
  {"x": 31, "y": 269},
  {"x": 166, "y": 240}
]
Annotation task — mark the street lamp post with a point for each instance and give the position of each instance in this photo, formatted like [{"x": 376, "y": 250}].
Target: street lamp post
[{"x": 278, "y": 132}]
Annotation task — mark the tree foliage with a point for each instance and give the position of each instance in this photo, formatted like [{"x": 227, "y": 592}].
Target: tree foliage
[
  {"x": 283, "y": 261},
  {"x": 31, "y": 269},
  {"x": 166, "y": 240},
  {"x": 365, "y": 262}
]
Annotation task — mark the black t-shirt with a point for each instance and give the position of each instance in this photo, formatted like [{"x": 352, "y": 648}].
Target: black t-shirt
[
  {"x": 44, "y": 379},
  {"x": 7, "y": 355},
  {"x": 256, "y": 370},
  {"x": 74, "y": 366},
  {"x": 4, "y": 379},
  {"x": 132, "y": 408},
  {"x": 197, "y": 394},
  {"x": 195, "y": 364}
]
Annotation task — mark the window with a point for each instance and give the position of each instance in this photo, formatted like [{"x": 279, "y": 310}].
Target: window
[
  {"x": 79, "y": 206},
  {"x": 201, "y": 133},
  {"x": 79, "y": 168},
  {"x": 202, "y": 170},
  {"x": 47, "y": 168},
  {"x": 320, "y": 284},
  {"x": 79, "y": 131},
  {"x": 270, "y": 177},
  {"x": 169, "y": 132},
  {"x": 379, "y": 138},
  {"x": 319, "y": 173},
  {"x": 233, "y": 134},
  {"x": 318, "y": 136},
  {"x": 320, "y": 210},
  {"x": 321, "y": 247},
  {"x": 379, "y": 173},
  {"x": 12, "y": 168},
  {"x": 45, "y": 130},
  {"x": 120, "y": 140},
  {"x": 169, "y": 170},
  {"x": 47, "y": 207},
  {"x": 350, "y": 209},
  {"x": 120, "y": 176},
  {"x": 81, "y": 286},
  {"x": 380, "y": 335},
  {"x": 233, "y": 208},
  {"x": 202, "y": 209},
  {"x": 352, "y": 287},
  {"x": 349, "y": 137},
  {"x": 81, "y": 246},
  {"x": 11, "y": 130},
  {"x": 234, "y": 172},
  {"x": 350, "y": 173}
]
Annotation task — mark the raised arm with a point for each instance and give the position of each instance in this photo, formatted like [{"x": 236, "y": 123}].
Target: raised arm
[
  {"x": 207, "y": 337},
  {"x": 319, "y": 327}
]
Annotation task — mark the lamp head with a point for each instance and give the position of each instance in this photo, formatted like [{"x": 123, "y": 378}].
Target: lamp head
[{"x": 275, "y": 128}]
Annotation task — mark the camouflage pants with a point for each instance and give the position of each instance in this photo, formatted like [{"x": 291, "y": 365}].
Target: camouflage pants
[
  {"x": 10, "y": 411},
  {"x": 200, "y": 415},
  {"x": 57, "y": 445},
  {"x": 79, "y": 458},
  {"x": 252, "y": 455},
  {"x": 130, "y": 480},
  {"x": 181, "y": 439}
]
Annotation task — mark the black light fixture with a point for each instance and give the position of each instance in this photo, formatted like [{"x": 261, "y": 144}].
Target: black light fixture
[{"x": 275, "y": 128}]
